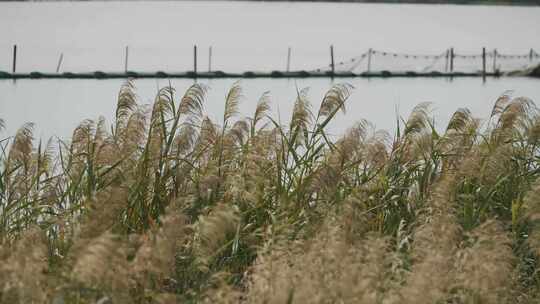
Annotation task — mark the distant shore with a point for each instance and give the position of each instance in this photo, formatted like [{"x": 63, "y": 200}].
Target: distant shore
[
  {"x": 458, "y": 2},
  {"x": 461, "y": 2}
]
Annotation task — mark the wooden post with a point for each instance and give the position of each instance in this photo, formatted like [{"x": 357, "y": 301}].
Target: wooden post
[
  {"x": 210, "y": 59},
  {"x": 484, "y": 63},
  {"x": 451, "y": 60},
  {"x": 332, "y": 59},
  {"x": 59, "y": 62},
  {"x": 531, "y": 52},
  {"x": 495, "y": 61},
  {"x": 126, "y": 59},
  {"x": 289, "y": 59},
  {"x": 369, "y": 60},
  {"x": 446, "y": 61},
  {"x": 195, "y": 59},
  {"x": 14, "y": 68}
]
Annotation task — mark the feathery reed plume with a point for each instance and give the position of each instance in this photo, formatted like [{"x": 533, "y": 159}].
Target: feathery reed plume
[
  {"x": 459, "y": 137},
  {"x": 418, "y": 120},
  {"x": 531, "y": 215},
  {"x": 126, "y": 104},
  {"x": 334, "y": 99},
  {"x": 165, "y": 298},
  {"x": 435, "y": 244},
  {"x": 232, "y": 102},
  {"x": 99, "y": 254},
  {"x": 501, "y": 102},
  {"x": 262, "y": 109},
  {"x": 327, "y": 269},
  {"x": 511, "y": 117},
  {"x": 129, "y": 130},
  {"x": 21, "y": 149},
  {"x": 185, "y": 140},
  {"x": 155, "y": 258},
  {"x": 101, "y": 214},
  {"x": 518, "y": 107},
  {"x": 301, "y": 115},
  {"x": 90, "y": 150},
  {"x": 102, "y": 264},
  {"x": 532, "y": 130},
  {"x": 221, "y": 292},
  {"x": 348, "y": 152},
  {"x": 23, "y": 269},
  {"x": 350, "y": 146},
  {"x": 215, "y": 234},
  {"x": 485, "y": 267},
  {"x": 134, "y": 133},
  {"x": 17, "y": 183},
  {"x": 182, "y": 135},
  {"x": 239, "y": 132},
  {"x": 377, "y": 153},
  {"x": 192, "y": 102},
  {"x": 417, "y": 128},
  {"x": 459, "y": 121},
  {"x": 301, "y": 118},
  {"x": 162, "y": 110}
]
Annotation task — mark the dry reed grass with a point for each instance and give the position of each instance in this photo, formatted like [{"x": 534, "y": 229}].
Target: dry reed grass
[{"x": 171, "y": 207}]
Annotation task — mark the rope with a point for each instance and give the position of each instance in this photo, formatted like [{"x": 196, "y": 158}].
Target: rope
[{"x": 405, "y": 61}]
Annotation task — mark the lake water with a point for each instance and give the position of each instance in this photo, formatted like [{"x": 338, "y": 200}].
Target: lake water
[
  {"x": 248, "y": 36},
  {"x": 57, "y": 106}
]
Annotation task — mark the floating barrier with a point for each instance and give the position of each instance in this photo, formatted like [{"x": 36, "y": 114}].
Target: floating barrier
[{"x": 221, "y": 74}]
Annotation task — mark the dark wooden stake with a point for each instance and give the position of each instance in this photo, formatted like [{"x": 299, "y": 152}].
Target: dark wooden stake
[
  {"x": 332, "y": 59},
  {"x": 14, "y": 68},
  {"x": 210, "y": 59},
  {"x": 289, "y": 59},
  {"x": 126, "y": 58},
  {"x": 59, "y": 62},
  {"x": 451, "y": 60},
  {"x": 484, "y": 64},
  {"x": 531, "y": 55},
  {"x": 369, "y": 60},
  {"x": 495, "y": 61},
  {"x": 446, "y": 61},
  {"x": 195, "y": 59}
]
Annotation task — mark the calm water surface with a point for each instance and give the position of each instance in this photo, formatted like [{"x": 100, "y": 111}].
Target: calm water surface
[
  {"x": 248, "y": 36},
  {"x": 57, "y": 106}
]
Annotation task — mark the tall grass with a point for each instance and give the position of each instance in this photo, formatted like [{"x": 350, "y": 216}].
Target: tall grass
[{"x": 166, "y": 205}]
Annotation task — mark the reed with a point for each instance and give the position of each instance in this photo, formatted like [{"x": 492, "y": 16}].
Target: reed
[{"x": 168, "y": 206}]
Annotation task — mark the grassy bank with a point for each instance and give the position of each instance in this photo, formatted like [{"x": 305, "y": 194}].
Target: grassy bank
[{"x": 166, "y": 206}]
